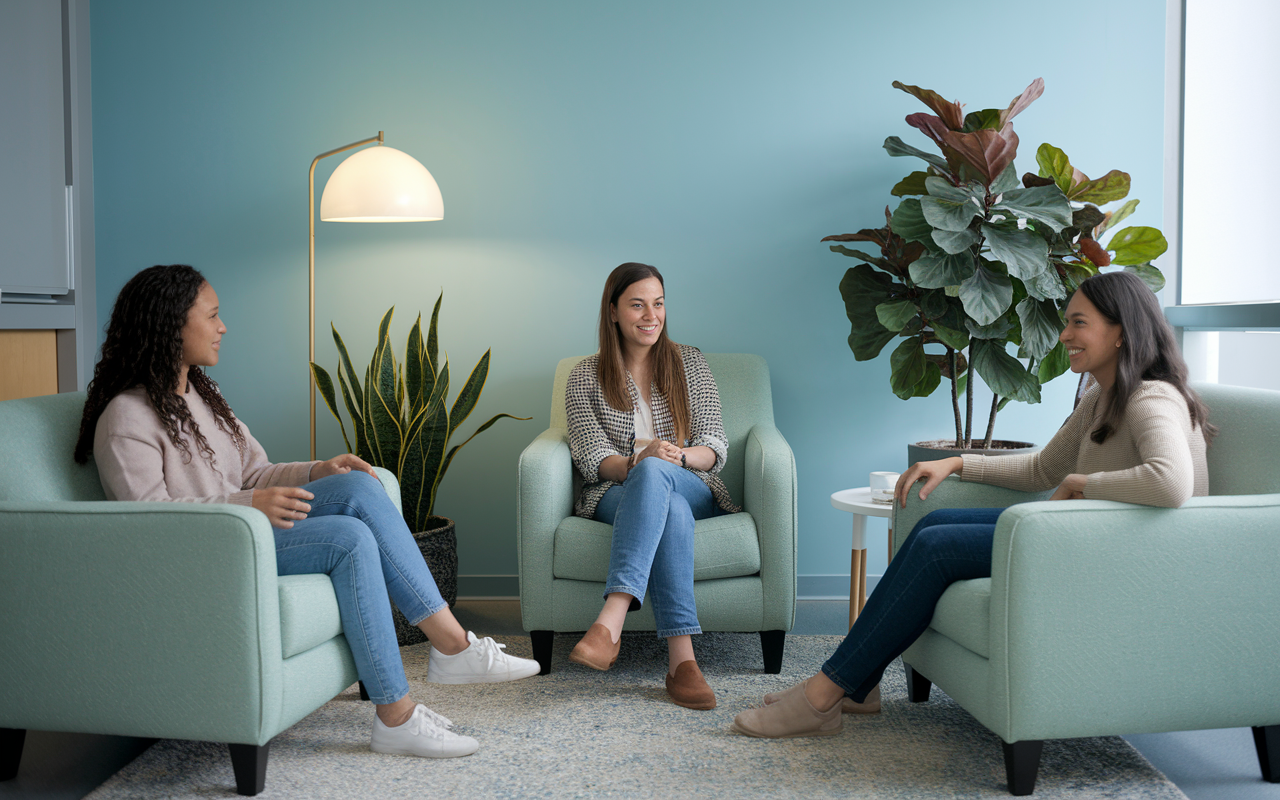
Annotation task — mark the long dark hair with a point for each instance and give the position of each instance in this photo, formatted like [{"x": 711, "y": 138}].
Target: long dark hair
[
  {"x": 1148, "y": 350},
  {"x": 668, "y": 367},
  {"x": 144, "y": 348}
]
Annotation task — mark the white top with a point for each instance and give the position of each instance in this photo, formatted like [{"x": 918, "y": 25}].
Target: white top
[
  {"x": 858, "y": 501},
  {"x": 644, "y": 423}
]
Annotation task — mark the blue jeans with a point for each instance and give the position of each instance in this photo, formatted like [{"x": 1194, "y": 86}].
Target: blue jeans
[
  {"x": 355, "y": 535},
  {"x": 652, "y": 514},
  {"x": 946, "y": 546}
]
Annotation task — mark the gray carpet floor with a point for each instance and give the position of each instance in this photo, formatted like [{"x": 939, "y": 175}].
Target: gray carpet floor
[{"x": 581, "y": 733}]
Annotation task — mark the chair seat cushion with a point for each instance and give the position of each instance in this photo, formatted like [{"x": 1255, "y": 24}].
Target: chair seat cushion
[
  {"x": 308, "y": 613},
  {"x": 723, "y": 547},
  {"x": 963, "y": 615}
]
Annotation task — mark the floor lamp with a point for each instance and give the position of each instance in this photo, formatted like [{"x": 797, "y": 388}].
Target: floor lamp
[{"x": 379, "y": 184}]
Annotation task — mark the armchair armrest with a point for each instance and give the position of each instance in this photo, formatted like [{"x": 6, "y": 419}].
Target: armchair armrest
[
  {"x": 769, "y": 490},
  {"x": 544, "y": 497},
  {"x": 954, "y": 493},
  {"x": 1162, "y": 619},
  {"x": 139, "y": 619},
  {"x": 392, "y": 485}
]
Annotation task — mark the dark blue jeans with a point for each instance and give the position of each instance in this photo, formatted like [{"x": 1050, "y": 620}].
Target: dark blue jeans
[{"x": 946, "y": 546}]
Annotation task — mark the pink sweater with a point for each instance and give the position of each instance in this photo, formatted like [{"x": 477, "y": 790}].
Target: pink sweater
[{"x": 136, "y": 460}]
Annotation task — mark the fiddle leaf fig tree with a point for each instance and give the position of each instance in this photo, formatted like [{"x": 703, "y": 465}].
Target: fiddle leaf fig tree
[{"x": 974, "y": 259}]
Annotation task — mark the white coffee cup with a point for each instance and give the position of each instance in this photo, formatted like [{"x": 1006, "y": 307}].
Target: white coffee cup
[{"x": 882, "y": 486}]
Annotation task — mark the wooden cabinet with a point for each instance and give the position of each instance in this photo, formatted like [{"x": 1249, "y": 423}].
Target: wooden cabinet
[{"x": 28, "y": 364}]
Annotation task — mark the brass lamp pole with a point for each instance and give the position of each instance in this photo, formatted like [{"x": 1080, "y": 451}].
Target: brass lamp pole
[{"x": 380, "y": 184}]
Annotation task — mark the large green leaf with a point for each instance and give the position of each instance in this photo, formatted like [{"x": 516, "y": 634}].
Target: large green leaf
[
  {"x": 383, "y": 417},
  {"x": 1055, "y": 164},
  {"x": 325, "y": 384},
  {"x": 1044, "y": 203},
  {"x": 1054, "y": 364},
  {"x": 357, "y": 420},
  {"x": 977, "y": 120},
  {"x": 1004, "y": 374},
  {"x": 937, "y": 270},
  {"x": 1040, "y": 327},
  {"x": 955, "y": 241},
  {"x": 912, "y": 375},
  {"x": 1008, "y": 180},
  {"x": 912, "y": 184},
  {"x": 948, "y": 207},
  {"x": 996, "y": 330},
  {"x": 1136, "y": 245},
  {"x": 1024, "y": 252},
  {"x": 415, "y": 365},
  {"x": 345, "y": 366},
  {"x": 424, "y": 455},
  {"x": 433, "y": 340},
  {"x": 1119, "y": 215},
  {"x": 896, "y": 314},
  {"x": 896, "y": 147},
  {"x": 1045, "y": 285},
  {"x": 1151, "y": 276},
  {"x": 863, "y": 288},
  {"x": 909, "y": 223},
  {"x": 866, "y": 343},
  {"x": 956, "y": 340},
  {"x": 934, "y": 304},
  {"x": 469, "y": 394},
  {"x": 986, "y": 294},
  {"x": 1112, "y": 186},
  {"x": 1086, "y": 219}
]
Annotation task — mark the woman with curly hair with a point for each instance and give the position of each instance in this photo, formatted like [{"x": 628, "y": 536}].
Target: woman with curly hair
[
  {"x": 160, "y": 430},
  {"x": 1138, "y": 436}
]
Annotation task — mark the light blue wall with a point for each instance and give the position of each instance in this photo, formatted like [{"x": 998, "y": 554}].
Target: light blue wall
[{"x": 719, "y": 141}]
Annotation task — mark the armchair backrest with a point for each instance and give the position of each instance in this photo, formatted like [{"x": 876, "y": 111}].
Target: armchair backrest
[
  {"x": 1244, "y": 458},
  {"x": 746, "y": 400},
  {"x": 37, "y": 438}
]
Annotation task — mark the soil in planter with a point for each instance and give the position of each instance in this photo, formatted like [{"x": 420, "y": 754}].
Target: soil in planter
[
  {"x": 439, "y": 548},
  {"x": 996, "y": 444}
]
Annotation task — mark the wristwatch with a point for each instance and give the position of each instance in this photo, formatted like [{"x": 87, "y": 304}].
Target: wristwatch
[{"x": 683, "y": 462}]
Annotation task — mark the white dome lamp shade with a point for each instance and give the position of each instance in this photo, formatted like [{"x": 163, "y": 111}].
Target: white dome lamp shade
[{"x": 381, "y": 184}]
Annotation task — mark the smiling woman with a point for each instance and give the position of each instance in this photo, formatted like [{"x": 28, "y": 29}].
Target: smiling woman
[{"x": 1138, "y": 436}]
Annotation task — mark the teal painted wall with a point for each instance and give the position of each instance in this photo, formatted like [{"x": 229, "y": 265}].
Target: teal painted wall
[{"x": 719, "y": 141}]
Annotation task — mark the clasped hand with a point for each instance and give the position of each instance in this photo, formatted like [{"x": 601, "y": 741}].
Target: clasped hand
[
  {"x": 284, "y": 505},
  {"x": 660, "y": 448}
]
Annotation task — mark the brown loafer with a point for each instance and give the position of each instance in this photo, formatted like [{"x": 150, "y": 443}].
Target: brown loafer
[
  {"x": 869, "y": 706},
  {"x": 597, "y": 649},
  {"x": 689, "y": 689}
]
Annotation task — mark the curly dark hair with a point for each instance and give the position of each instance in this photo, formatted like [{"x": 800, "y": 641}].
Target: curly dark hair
[{"x": 144, "y": 348}]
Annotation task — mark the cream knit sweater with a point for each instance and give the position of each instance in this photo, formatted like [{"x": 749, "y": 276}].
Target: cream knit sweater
[
  {"x": 1155, "y": 458},
  {"x": 136, "y": 460}
]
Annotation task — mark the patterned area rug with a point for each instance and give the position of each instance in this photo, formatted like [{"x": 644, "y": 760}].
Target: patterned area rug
[{"x": 582, "y": 733}]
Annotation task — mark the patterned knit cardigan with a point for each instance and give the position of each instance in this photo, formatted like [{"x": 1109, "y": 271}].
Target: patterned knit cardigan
[{"x": 597, "y": 430}]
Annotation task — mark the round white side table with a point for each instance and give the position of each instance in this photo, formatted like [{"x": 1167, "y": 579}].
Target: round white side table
[{"x": 858, "y": 502}]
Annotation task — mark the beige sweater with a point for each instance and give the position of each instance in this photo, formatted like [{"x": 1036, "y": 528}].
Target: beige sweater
[
  {"x": 136, "y": 460},
  {"x": 1155, "y": 458}
]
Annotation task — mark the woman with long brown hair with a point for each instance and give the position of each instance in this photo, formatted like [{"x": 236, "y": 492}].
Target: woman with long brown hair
[
  {"x": 1138, "y": 436},
  {"x": 646, "y": 435}
]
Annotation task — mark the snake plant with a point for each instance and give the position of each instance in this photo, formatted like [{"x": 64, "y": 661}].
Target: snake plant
[{"x": 399, "y": 415}]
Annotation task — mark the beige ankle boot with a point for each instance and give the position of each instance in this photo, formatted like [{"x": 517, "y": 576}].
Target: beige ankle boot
[{"x": 791, "y": 715}]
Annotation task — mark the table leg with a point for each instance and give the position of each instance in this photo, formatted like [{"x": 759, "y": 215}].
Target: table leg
[{"x": 858, "y": 568}]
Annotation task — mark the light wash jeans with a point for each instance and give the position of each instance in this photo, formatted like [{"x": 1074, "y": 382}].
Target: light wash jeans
[
  {"x": 652, "y": 514},
  {"x": 355, "y": 535},
  {"x": 948, "y": 545}
]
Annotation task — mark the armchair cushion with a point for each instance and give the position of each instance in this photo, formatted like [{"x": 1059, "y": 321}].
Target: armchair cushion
[
  {"x": 964, "y": 615},
  {"x": 723, "y": 547},
  {"x": 308, "y": 613}
]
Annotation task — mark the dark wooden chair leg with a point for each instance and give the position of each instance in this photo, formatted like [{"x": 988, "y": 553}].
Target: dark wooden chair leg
[
  {"x": 249, "y": 762},
  {"x": 364, "y": 693},
  {"x": 1267, "y": 742},
  {"x": 918, "y": 686},
  {"x": 542, "y": 644},
  {"x": 772, "y": 643},
  {"x": 11, "y": 741},
  {"x": 1021, "y": 763}
]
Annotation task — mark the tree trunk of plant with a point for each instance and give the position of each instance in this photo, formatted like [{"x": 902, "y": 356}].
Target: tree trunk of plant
[
  {"x": 968, "y": 395},
  {"x": 955, "y": 396},
  {"x": 991, "y": 421}
]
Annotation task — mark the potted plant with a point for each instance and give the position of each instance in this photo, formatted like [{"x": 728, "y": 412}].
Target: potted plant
[
  {"x": 401, "y": 422},
  {"x": 973, "y": 260}
]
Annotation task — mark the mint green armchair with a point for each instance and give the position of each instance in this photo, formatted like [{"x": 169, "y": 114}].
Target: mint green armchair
[
  {"x": 744, "y": 564},
  {"x": 1105, "y": 618},
  {"x": 148, "y": 619}
]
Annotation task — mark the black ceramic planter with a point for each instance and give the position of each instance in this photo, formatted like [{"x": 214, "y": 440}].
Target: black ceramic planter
[
  {"x": 945, "y": 448},
  {"x": 439, "y": 548}
]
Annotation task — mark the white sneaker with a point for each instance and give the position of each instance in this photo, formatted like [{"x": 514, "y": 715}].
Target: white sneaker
[
  {"x": 421, "y": 736},
  {"x": 482, "y": 662}
]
